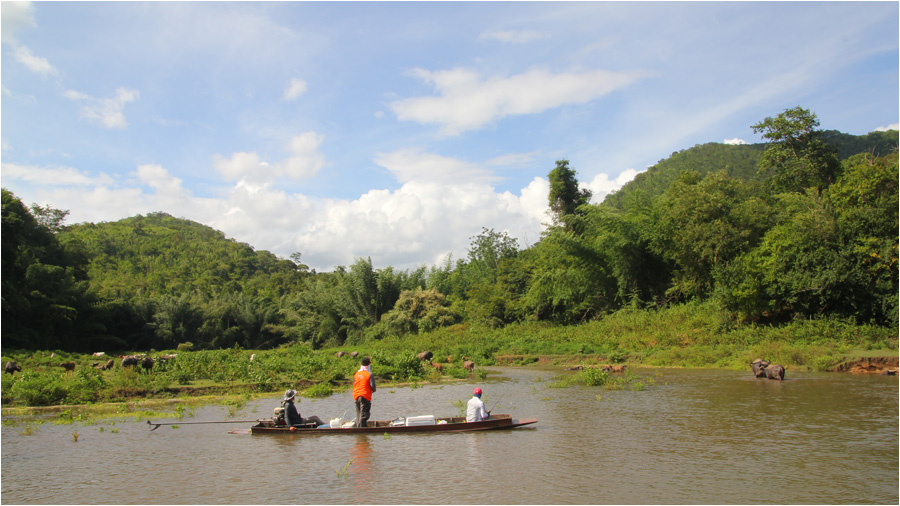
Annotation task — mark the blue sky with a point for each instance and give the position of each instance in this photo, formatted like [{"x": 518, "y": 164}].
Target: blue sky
[{"x": 398, "y": 130}]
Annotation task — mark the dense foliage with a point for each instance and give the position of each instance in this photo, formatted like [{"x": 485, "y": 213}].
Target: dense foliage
[{"x": 804, "y": 227}]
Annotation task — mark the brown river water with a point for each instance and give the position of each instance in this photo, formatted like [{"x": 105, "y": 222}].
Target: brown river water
[{"x": 690, "y": 437}]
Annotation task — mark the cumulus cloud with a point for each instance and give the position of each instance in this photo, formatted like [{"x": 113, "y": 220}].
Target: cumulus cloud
[
  {"x": 294, "y": 88},
  {"x": 512, "y": 36},
  {"x": 892, "y": 126},
  {"x": 735, "y": 141},
  {"x": 304, "y": 161},
  {"x": 422, "y": 222},
  {"x": 107, "y": 112},
  {"x": 413, "y": 164},
  {"x": 467, "y": 101},
  {"x": 601, "y": 185}
]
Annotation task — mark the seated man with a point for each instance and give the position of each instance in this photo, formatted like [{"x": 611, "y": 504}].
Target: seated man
[
  {"x": 475, "y": 411},
  {"x": 291, "y": 416}
]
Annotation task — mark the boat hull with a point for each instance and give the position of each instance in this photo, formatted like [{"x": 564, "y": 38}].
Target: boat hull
[{"x": 453, "y": 424}]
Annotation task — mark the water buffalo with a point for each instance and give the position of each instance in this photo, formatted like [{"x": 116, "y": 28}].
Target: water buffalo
[
  {"x": 147, "y": 363},
  {"x": 469, "y": 365},
  {"x": 129, "y": 361},
  {"x": 425, "y": 355},
  {"x": 774, "y": 372},
  {"x": 12, "y": 367},
  {"x": 68, "y": 366},
  {"x": 757, "y": 365}
]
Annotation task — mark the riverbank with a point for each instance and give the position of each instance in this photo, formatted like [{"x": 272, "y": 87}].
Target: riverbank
[{"x": 686, "y": 336}]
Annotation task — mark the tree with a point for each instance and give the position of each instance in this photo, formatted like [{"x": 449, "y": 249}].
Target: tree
[
  {"x": 798, "y": 156},
  {"x": 565, "y": 196},
  {"x": 704, "y": 223}
]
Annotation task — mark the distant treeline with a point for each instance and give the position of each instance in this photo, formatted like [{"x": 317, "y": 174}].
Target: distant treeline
[{"x": 802, "y": 227}]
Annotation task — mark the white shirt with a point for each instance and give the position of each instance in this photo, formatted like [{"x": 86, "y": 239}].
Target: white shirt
[{"x": 475, "y": 411}]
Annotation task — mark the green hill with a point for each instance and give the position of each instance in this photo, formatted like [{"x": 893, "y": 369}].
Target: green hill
[
  {"x": 158, "y": 254},
  {"x": 739, "y": 161}
]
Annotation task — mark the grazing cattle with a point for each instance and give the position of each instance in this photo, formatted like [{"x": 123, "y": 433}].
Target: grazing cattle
[
  {"x": 109, "y": 365},
  {"x": 469, "y": 365},
  {"x": 618, "y": 368},
  {"x": 129, "y": 361},
  {"x": 606, "y": 368},
  {"x": 437, "y": 366},
  {"x": 757, "y": 365},
  {"x": 96, "y": 365},
  {"x": 341, "y": 354},
  {"x": 68, "y": 366},
  {"x": 575, "y": 368},
  {"x": 12, "y": 367},
  {"x": 99, "y": 354},
  {"x": 147, "y": 363},
  {"x": 775, "y": 372},
  {"x": 425, "y": 355},
  {"x": 354, "y": 354}
]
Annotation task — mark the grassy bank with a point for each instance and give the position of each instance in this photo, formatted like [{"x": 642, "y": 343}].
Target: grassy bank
[{"x": 693, "y": 335}]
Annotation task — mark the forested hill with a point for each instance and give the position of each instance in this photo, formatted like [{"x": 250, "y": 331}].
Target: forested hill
[
  {"x": 801, "y": 228},
  {"x": 158, "y": 254},
  {"x": 739, "y": 161}
]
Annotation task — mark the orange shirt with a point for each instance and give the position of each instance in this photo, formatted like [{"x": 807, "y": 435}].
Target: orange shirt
[{"x": 362, "y": 386}]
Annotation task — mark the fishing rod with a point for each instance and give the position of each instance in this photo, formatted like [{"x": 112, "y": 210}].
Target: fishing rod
[
  {"x": 157, "y": 424},
  {"x": 495, "y": 404}
]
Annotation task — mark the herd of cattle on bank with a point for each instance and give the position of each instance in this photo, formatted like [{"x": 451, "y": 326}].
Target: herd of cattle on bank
[
  {"x": 144, "y": 361},
  {"x": 147, "y": 362}
]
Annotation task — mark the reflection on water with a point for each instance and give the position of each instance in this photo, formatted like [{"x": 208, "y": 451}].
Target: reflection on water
[{"x": 691, "y": 437}]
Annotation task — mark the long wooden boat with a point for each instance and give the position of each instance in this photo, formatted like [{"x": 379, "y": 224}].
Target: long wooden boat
[{"x": 450, "y": 424}]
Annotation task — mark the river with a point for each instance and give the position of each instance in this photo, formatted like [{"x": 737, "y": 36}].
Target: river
[{"x": 690, "y": 437}]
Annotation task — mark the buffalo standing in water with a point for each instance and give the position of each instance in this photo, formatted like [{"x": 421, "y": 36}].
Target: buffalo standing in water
[
  {"x": 774, "y": 372},
  {"x": 758, "y": 365}
]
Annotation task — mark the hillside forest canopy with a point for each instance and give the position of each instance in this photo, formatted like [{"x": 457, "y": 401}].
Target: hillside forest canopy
[{"x": 804, "y": 226}]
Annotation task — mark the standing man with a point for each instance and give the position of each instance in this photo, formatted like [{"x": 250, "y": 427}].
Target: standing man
[
  {"x": 363, "y": 386},
  {"x": 475, "y": 411}
]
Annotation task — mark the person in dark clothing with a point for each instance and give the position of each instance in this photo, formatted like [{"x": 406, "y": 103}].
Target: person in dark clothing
[{"x": 292, "y": 416}]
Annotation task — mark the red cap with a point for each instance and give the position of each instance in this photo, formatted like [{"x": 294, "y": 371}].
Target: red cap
[{"x": 477, "y": 391}]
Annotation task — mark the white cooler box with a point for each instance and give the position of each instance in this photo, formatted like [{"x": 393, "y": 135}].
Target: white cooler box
[{"x": 420, "y": 420}]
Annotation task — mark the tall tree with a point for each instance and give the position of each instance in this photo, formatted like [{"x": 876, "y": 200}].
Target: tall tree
[
  {"x": 798, "y": 156},
  {"x": 565, "y": 195}
]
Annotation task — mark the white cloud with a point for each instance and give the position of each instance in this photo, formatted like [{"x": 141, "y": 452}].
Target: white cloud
[
  {"x": 602, "y": 185},
  {"x": 513, "y": 36},
  {"x": 466, "y": 101},
  {"x": 735, "y": 141},
  {"x": 892, "y": 126},
  {"x": 305, "y": 160},
  {"x": 52, "y": 176},
  {"x": 421, "y": 222},
  {"x": 34, "y": 63},
  {"x": 294, "y": 89},
  {"x": 241, "y": 166},
  {"x": 105, "y": 111},
  {"x": 15, "y": 16},
  {"x": 415, "y": 165}
]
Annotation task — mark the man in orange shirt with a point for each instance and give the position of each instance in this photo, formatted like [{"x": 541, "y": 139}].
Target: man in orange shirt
[{"x": 363, "y": 387}]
